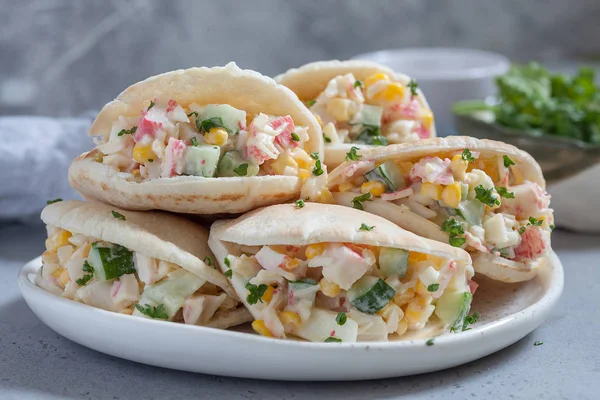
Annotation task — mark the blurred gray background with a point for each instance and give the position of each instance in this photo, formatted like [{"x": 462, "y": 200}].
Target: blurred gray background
[{"x": 63, "y": 57}]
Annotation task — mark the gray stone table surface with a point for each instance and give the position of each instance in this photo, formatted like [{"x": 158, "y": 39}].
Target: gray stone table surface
[{"x": 35, "y": 362}]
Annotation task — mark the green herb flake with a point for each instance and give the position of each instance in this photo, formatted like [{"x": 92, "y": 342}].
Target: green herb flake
[
  {"x": 538, "y": 343},
  {"x": 503, "y": 192},
  {"x": 326, "y": 138},
  {"x": 457, "y": 242},
  {"x": 194, "y": 113},
  {"x": 341, "y": 318},
  {"x": 156, "y": 312},
  {"x": 552, "y": 227},
  {"x": 150, "y": 160},
  {"x": 507, "y": 161},
  {"x": 351, "y": 155},
  {"x": 228, "y": 273},
  {"x": 314, "y": 156},
  {"x": 194, "y": 142},
  {"x": 430, "y": 342},
  {"x": 209, "y": 261},
  {"x": 413, "y": 85},
  {"x": 295, "y": 137},
  {"x": 118, "y": 215},
  {"x": 86, "y": 278},
  {"x": 255, "y": 292},
  {"x": 150, "y": 106},
  {"x": 486, "y": 196},
  {"x": 127, "y": 131},
  {"x": 365, "y": 227},
  {"x": 433, "y": 287},
  {"x": 470, "y": 320},
  {"x": 206, "y": 125},
  {"x": 241, "y": 170},
  {"x": 299, "y": 203},
  {"x": 467, "y": 156},
  {"x": 332, "y": 339},
  {"x": 454, "y": 228},
  {"x": 318, "y": 170},
  {"x": 311, "y": 103},
  {"x": 535, "y": 222},
  {"x": 227, "y": 262},
  {"x": 358, "y": 200},
  {"x": 357, "y": 83},
  {"x": 54, "y": 201}
]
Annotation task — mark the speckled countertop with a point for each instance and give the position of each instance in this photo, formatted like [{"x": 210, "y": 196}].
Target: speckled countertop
[{"x": 35, "y": 362}]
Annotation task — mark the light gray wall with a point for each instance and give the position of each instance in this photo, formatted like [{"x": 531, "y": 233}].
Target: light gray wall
[{"x": 62, "y": 57}]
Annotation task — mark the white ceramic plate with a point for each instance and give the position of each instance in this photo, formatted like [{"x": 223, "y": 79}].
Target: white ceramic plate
[{"x": 509, "y": 312}]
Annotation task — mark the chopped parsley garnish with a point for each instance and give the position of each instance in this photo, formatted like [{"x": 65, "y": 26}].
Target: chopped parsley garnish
[
  {"x": 227, "y": 262},
  {"x": 372, "y": 135},
  {"x": 341, "y": 318},
  {"x": 194, "y": 113},
  {"x": 430, "y": 342},
  {"x": 150, "y": 106},
  {"x": 357, "y": 83},
  {"x": 454, "y": 228},
  {"x": 351, "y": 155},
  {"x": 228, "y": 273},
  {"x": 241, "y": 170},
  {"x": 538, "y": 343},
  {"x": 413, "y": 85},
  {"x": 502, "y": 191},
  {"x": 326, "y": 138},
  {"x": 486, "y": 196},
  {"x": 358, "y": 200},
  {"x": 467, "y": 156},
  {"x": 318, "y": 170},
  {"x": 86, "y": 278},
  {"x": 552, "y": 227},
  {"x": 365, "y": 227},
  {"x": 255, "y": 292},
  {"x": 311, "y": 103},
  {"x": 332, "y": 339},
  {"x": 470, "y": 320},
  {"x": 535, "y": 222},
  {"x": 118, "y": 215},
  {"x": 127, "y": 131},
  {"x": 457, "y": 242},
  {"x": 299, "y": 203},
  {"x": 209, "y": 261},
  {"x": 507, "y": 161},
  {"x": 150, "y": 160},
  {"x": 206, "y": 125},
  {"x": 54, "y": 201},
  {"x": 295, "y": 137},
  {"x": 157, "y": 312},
  {"x": 194, "y": 142},
  {"x": 314, "y": 156},
  {"x": 433, "y": 287}
]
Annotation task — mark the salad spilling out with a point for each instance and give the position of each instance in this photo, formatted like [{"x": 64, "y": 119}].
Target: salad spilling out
[
  {"x": 212, "y": 141},
  {"x": 111, "y": 277},
  {"x": 482, "y": 204},
  {"x": 377, "y": 111}
]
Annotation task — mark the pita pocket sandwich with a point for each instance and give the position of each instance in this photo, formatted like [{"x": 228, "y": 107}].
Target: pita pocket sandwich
[
  {"x": 202, "y": 141},
  {"x": 360, "y": 104},
  {"x": 480, "y": 195},
  {"x": 327, "y": 273},
  {"x": 151, "y": 265}
]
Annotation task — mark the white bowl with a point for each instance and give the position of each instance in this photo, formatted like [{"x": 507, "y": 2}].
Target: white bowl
[{"x": 446, "y": 75}]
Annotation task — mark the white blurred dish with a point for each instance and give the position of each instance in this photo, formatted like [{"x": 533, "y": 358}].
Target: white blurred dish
[
  {"x": 446, "y": 75},
  {"x": 509, "y": 312}
]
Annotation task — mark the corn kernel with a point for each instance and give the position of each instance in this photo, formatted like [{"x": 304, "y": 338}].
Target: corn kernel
[
  {"x": 372, "y": 79},
  {"x": 376, "y": 188},
  {"x": 216, "y": 136},
  {"x": 290, "y": 318},
  {"x": 426, "y": 118},
  {"x": 384, "y": 312},
  {"x": 59, "y": 239},
  {"x": 143, "y": 153},
  {"x": 325, "y": 197},
  {"x": 127, "y": 311},
  {"x": 49, "y": 257},
  {"x": 421, "y": 289},
  {"x": 268, "y": 295},
  {"x": 289, "y": 264},
  {"x": 340, "y": 109},
  {"x": 344, "y": 187},
  {"x": 458, "y": 166},
  {"x": 303, "y": 174},
  {"x": 402, "y": 327},
  {"x": 64, "y": 277},
  {"x": 432, "y": 190},
  {"x": 303, "y": 159},
  {"x": 393, "y": 92},
  {"x": 416, "y": 308},
  {"x": 313, "y": 250},
  {"x": 405, "y": 167},
  {"x": 283, "y": 161},
  {"x": 415, "y": 257},
  {"x": 405, "y": 297},
  {"x": 260, "y": 328},
  {"x": 56, "y": 273},
  {"x": 451, "y": 195},
  {"x": 329, "y": 289}
]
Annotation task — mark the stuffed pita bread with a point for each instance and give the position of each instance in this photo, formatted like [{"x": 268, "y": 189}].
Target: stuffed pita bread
[
  {"x": 360, "y": 104},
  {"x": 327, "y": 273},
  {"x": 151, "y": 265},
  {"x": 201, "y": 141},
  {"x": 484, "y": 196}
]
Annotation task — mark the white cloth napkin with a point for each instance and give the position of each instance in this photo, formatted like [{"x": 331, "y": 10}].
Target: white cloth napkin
[{"x": 35, "y": 154}]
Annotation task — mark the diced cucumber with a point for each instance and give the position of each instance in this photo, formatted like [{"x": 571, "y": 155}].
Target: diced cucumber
[
  {"x": 370, "y": 136},
  {"x": 230, "y": 117},
  {"x": 464, "y": 191},
  {"x": 393, "y": 262},
  {"x": 110, "y": 261},
  {"x": 370, "y": 294},
  {"x": 302, "y": 284},
  {"x": 233, "y": 164},
  {"x": 322, "y": 324},
  {"x": 201, "y": 160},
  {"x": 389, "y": 174},
  {"x": 471, "y": 210},
  {"x": 171, "y": 291},
  {"x": 452, "y": 308},
  {"x": 368, "y": 115}
]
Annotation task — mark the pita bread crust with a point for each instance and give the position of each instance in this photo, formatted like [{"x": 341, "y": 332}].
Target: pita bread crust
[
  {"x": 154, "y": 234},
  {"x": 286, "y": 224},
  {"x": 425, "y": 147}
]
